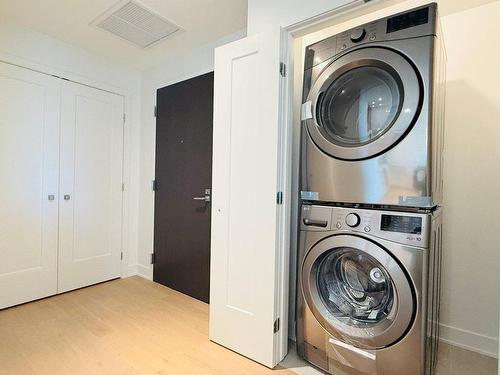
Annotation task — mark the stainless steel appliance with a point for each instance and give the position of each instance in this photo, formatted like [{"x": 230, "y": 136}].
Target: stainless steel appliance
[
  {"x": 373, "y": 113},
  {"x": 368, "y": 290}
]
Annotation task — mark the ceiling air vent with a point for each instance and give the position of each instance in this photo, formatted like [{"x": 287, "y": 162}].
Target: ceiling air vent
[{"x": 135, "y": 23}]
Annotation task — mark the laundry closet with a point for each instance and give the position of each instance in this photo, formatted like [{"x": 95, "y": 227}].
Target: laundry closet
[{"x": 61, "y": 178}]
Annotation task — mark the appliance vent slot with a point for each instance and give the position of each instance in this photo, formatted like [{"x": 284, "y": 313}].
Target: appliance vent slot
[{"x": 136, "y": 24}]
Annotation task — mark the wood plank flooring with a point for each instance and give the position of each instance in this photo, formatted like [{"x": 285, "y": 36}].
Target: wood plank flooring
[{"x": 129, "y": 326}]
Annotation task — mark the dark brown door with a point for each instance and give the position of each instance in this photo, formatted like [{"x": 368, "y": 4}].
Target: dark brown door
[{"x": 184, "y": 125}]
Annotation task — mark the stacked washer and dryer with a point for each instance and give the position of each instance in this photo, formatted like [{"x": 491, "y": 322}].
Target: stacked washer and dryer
[{"x": 371, "y": 189}]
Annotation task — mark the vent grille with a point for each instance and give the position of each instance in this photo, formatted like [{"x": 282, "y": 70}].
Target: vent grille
[{"x": 135, "y": 23}]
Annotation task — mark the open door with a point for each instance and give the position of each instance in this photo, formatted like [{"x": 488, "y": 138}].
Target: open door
[{"x": 248, "y": 262}]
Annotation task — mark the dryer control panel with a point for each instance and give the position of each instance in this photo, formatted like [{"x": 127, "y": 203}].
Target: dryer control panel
[
  {"x": 413, "y": 23},
  {"x": 403, "y": 227}
]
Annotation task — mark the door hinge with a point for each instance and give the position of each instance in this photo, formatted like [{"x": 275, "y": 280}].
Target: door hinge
[
  {"x": 154, "y": 185},
  {"x": 121, "y": 256},
  {"x": 153, "y": 258},
  {"x": 279, "y": 197},
  {"x": 282, "y": 69},
  {"x": 124, "y": 118},
  {"x": 123, "y": 186},
  {"x": 156, "y": 111},
  {"x": 276, "y": 326}
]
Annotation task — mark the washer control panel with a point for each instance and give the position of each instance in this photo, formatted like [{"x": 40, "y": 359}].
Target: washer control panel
[{"x": 402, "y": 227}]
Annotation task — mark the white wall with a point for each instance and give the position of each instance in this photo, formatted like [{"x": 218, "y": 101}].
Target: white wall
[
  {"x": 40, "y": 52},
  {"x": 471, "y": 274},
  {"x": 471, "y": 270},
  {"x": 198, "y": 61},
  {"x": 265, "y": 13}
]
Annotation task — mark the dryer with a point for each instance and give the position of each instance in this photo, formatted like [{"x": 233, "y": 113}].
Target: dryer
[
  {"x": 368, "y": 290},
  {"x": 372, "y": 113}
]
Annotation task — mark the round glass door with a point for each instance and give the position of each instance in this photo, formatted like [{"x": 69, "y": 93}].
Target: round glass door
[
  {"x": 357, "y": 291},
  {"x": 355, "y": 287},
  {"x": 361, "y": 106}
]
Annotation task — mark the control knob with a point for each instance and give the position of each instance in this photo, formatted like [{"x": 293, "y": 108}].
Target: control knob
[
  {"x": 358, "y": 34},
  {"x": 352, "y": 220}
]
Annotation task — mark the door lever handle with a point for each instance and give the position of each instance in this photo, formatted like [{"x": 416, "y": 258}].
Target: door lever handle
[{"x": 206, "y": 198}]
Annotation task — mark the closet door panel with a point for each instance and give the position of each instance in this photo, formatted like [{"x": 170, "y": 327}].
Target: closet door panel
[
  {"x": 91, "y": 186},
  {"x": 29, "y": 151}
]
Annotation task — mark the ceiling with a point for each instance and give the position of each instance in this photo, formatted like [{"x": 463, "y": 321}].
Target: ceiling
[{"x": 203, "y": 21}]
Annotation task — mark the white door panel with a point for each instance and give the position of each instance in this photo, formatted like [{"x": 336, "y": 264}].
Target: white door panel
[
  {"x": 91, "y": 186},
  {"x": 245, "y": 287},
  {"x": 29, "y": 158}
]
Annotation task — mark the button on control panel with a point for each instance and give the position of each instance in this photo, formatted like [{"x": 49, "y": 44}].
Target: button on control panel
[
  {"x": 367, "y": 33},
  {"x": 358, "y": 34},
  {"x": 352, "y": 220}
]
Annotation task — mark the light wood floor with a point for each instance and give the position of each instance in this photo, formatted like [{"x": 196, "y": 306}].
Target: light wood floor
[
  {"x": 134, "y": 326},
  {"x": 128, "y": 326}
]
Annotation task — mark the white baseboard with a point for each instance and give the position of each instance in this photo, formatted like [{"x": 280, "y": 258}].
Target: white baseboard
[
  {"x": 145, "y": 271},
  {"x": 469, "y": 340},
  {"x": 131, "y": 270}
]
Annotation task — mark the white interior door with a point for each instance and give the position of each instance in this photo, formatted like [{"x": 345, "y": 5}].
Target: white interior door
[
  {"x": 29, "y": 158},
  {"x": 90, "y": 199},
  {"x": 246, "y": 291}
]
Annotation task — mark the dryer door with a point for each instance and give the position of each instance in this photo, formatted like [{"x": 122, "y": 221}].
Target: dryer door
[
  {"x": 357, "y": 291},
  {"x": 363, "y": 103}
]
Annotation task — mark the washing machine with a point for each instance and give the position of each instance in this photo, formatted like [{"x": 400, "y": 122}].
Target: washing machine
[
  {"x": 372, "y": 113},
  {"x": 368, "y": 290}
]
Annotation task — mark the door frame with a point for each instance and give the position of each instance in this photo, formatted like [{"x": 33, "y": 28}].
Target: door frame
[
  {"x": 365, "y": 11},
  {"x": 288, "y": 159},
  {"x": 128, "y": 149}
]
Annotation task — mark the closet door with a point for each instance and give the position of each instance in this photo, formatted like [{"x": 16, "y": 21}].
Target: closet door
[
  {"x": 90, "y": 200},
  {"x": 248, "y": 256},
  {"x": 29, "y": 149}
]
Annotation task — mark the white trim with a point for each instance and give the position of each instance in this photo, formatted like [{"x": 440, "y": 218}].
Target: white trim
[
  {"x": 285, "y": 162},
  {"x": 145, "y": 272},
  {"x": 284, "y": 210},
  {"x": 459, "y": 337},
  {"x": 132, "y": 270},
  {"x": 306, "y": 26},
  {"x": 469, "y": 340},
  {"x": 45, "y": 69},
  {"x": 127, "y": 142}
]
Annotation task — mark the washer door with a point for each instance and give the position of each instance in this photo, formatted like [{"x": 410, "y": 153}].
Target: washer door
[
  {"x": 363, "y": 103},
  {"x": 357, "y": 291}
]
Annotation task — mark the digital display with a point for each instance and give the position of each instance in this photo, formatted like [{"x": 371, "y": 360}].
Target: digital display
[
  {"x": 402, "y": 224},
  {"x": 406, "y": 20}
]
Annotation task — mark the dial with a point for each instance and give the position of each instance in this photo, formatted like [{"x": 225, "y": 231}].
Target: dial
[
  {"x": 358, "y": 34},
  {"x": 352, "y": 220}
]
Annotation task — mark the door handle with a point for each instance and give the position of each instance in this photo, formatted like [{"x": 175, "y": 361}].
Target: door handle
[
  {"x": 206, "y": 198},
  {"x": 315, "y": 223},
  {"x": 67, "y": 197}
]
